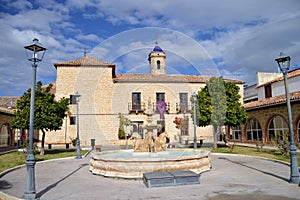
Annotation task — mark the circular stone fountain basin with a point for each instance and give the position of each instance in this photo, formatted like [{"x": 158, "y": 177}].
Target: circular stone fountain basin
[{"x": 130, "y": 164}]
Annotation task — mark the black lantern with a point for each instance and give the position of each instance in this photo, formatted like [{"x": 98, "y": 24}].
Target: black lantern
[
  {"x": 38, "y": 51},
  {"x": 283, "y": 62}
]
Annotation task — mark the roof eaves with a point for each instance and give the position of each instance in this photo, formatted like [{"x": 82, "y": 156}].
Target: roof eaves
[
  {"x": 6, "y": 111},
  {"x": 271, "y": 102},
  {"x": 291, "y": 74}
]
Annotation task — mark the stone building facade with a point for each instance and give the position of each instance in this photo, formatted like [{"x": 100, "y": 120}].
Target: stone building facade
[
  {"x": 267, "y": 116},
  {"x": 6, "y": 134},
  {"x": 272, "y": 120},
  {"x": 9, "y": 138},
  {"x": 105, "y": 95}
]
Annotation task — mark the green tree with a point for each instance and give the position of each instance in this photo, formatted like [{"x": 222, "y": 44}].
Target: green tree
[
  {"x": 48, "y": 112},
  {"x": 218, "y": 104},
  {"x": 235, "y": 113},
  {"x": 211, "y": 102},
  {"x": 122, "y": 123}
]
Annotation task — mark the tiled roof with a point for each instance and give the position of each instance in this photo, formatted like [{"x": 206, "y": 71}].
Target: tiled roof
[
  {"x": 6, "y": 110},
  {"x": 290, "y": 74},
  {"x": 53, "y": 89},
  {"x": 8, "y": 101},
  {"x": 294, "y": 96},
  {"x": 176, "y": 78},
  {"x": 85, "y": 61}
]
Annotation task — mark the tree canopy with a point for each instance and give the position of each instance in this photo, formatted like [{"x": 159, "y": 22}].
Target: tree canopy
[
  {"x": 235, "y": 113},
  {"x": 48, "y": 112},
  {"x": 218, "y": 104}
]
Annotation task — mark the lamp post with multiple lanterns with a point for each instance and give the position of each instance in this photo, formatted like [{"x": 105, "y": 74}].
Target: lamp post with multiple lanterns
[
  {"x": 38, "y": 55},
  {"x": 284, "y": 65}
]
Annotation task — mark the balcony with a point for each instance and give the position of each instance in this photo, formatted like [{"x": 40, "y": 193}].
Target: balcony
[
  {"x": 136, "y": 107},
  {"x": 183, "y": 108}
]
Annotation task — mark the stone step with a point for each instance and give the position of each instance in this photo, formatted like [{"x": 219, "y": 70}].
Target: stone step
[{"x": 171, "y": 178}]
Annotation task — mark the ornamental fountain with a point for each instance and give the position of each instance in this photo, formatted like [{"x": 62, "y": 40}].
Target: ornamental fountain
[{"x": 149, "y": 155}]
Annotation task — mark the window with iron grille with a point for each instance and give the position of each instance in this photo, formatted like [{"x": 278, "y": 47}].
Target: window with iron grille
[
  {"x": 136, "y": 101},
  {"x": 160, "y": 97},
  {"x": 183, "y": 97}
]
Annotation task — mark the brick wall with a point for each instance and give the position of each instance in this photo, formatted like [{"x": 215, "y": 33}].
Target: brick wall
[
  {"x": 265, "y": 115},
  {"x": 6, "y": 118}
]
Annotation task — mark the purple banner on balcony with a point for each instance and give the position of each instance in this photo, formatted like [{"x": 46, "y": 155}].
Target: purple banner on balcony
[{"x": 161, "y": 107}]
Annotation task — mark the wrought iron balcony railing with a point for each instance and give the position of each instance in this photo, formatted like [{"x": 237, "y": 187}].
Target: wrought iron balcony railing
[
  {"x": 136, "y": 107},
  {"x": 183, "y": 108}
]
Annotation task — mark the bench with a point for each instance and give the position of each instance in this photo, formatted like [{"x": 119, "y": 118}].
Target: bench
[
  {"x": 98, "y": 147},
  {"x": 50, "y": 145},
  {"x": 190, "y": 139}
]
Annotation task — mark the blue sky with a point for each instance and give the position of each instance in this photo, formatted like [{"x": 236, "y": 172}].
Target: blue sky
[{"x": 232, "y": 38}]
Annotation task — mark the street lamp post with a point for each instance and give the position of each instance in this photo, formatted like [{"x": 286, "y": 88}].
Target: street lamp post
[
  {"x": 284, "y": 65},
  {"x": 38, "y": 55},
  {"x": 78, "y": 155},
  {"x": 195, "y": 124}
]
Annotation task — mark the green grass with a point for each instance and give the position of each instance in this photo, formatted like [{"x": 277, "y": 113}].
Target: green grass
[
  {"x": 13, "y": 159},
  {"x": 266, "y": 153},
  {"x": 16, "y": 158}
]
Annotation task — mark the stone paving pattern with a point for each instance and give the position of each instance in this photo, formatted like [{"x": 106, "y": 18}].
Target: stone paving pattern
[{"x": 232, "y": 177}]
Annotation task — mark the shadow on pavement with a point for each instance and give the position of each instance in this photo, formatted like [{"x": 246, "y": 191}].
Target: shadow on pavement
[
  {"x": 44, "y": 191},
  {"x": 253, "y": 196},
  {"x": 5, "y": 185},
  {"x": 259, "y": 170}
]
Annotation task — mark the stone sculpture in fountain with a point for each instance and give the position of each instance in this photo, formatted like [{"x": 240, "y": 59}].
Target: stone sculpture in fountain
[{"x": 152, "y": 143}]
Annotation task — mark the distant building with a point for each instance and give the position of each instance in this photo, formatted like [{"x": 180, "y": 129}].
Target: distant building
[
  {"x": 268, "y": 120},
  {"x": 250, "y": 93},
  {"x": 8, "y": 137},
  {"x": 105, "y": 95}
]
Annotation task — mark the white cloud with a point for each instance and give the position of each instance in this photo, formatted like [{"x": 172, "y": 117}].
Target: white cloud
[
  {"x": 21, "y": 4},
  {"x": 241, "y": 36},
  {"x": 89, "y": 37}
]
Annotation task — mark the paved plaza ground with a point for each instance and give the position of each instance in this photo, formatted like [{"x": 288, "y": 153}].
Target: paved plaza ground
[{"x": 232, "y": 177}]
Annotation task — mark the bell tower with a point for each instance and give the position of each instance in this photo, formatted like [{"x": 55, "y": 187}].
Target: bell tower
[{"x": 157, "y": 60}]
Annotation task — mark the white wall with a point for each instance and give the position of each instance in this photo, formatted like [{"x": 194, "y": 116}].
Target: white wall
[{"x": 293, "y": 84}]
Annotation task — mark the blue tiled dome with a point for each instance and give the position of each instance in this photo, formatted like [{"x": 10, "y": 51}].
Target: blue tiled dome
[{"x": 157, "y": 49}]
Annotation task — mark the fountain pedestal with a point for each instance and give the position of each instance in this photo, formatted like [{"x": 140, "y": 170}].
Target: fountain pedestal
[
  {"x": 129, "y": 164},
  {"x": 149, "y": 155}
]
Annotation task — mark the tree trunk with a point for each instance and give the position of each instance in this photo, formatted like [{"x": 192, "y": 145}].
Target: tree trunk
[
  {"x": 227, "y": 134},
  {"x": 43, "y": 143},
  {"x": 215, "y": 136}
]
